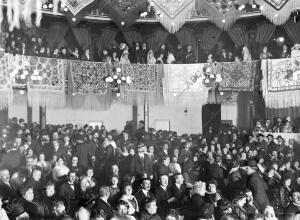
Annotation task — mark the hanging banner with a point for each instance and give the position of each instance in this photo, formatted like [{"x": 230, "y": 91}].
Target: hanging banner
[
  {"x": 145, "y": 84},
  {"x": 238, "y": 76},
  {"x": 183, "y": 86},
  {"x": 278, "y": 11},
  {"x": 75, "y": 6},
  {"x": 6, "y": 92},
  {"x": 222, "y": 13},
  {"x": 173, "y": 14},
  {"x": 88, "y": 87},
  {"x": 281, "y": 82},
  {"x": 125, "y": 12}
]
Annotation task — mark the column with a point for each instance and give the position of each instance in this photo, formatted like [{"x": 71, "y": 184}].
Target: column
[
  {"x": 146, "y": 115},
  {"x": 43, "y": 117}
]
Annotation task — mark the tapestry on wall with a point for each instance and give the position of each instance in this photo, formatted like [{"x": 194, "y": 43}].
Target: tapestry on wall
[
  {"x": 174, "y": 13},
  {"x": 88, "y": 87},
  {"x": 238, "y": 76},
  {"x": 5, "y": 85},
  {"x": 145, "y": 83},
  {"x": 183, "y": 86},
  {"x": 281, "y": 82}
]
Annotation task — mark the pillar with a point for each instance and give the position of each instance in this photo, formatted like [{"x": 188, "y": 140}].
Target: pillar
[
  {"x": 146, "y": 115},
  {"x": 43, "y": 117}
]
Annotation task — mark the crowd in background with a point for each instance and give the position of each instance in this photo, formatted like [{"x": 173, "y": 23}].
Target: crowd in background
[
  {"x": 84, "y": 172},
  {"x": 16, "y": 43}
]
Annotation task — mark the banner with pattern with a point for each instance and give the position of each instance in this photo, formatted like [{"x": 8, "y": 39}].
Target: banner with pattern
[
  {"x": 5, "y": 85},
  {"x": 238, "y": 76}
]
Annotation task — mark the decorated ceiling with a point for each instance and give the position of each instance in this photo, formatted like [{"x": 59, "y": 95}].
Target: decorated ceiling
[{"x": 172, "y": 14}]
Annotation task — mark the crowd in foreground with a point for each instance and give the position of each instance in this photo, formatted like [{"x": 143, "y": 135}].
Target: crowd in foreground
[{"x": 73, "y": 172}]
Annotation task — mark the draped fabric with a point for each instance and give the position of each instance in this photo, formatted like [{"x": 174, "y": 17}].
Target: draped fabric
[
  {"x": 132, "y": 36},
  {"x": 209, "y": 38},
  {"x": 56, "y": 35},
  {"x": 106, "y": 39},
  {"x": 43, "y": 77},
  {"x": 293, "y": 31},
  {"x": 182, "y": 85},
  {"x": 6, "y": 92},
  {"x": 145, "y": 84},
  {"x": 279, "y": 11},
  {"x": 264, "y": 32},
  {"x": 125, "y": 12},
  {"x": 239, "y": 35},
  {"x": 83, "y": 37},
  {"x": 222, "y": 13},
  {"x": 186, "y": 36},
  {"x": 174, "y": 13},
  {"x": 238, "y": 76},
  {"x": 157, "y": 39},
  {"x": 281, "y": 83},
  {"x": 88, "y": 87}
]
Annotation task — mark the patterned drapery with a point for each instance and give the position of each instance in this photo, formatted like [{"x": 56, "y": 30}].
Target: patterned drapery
[
  {"x": 222, "y": 12},
  {"x": 238, "y": 76},
  {"x": 5, "y": 86},
  {"x": 281, "y": 82},
  {"x": 88, "y": 87},
  {"x": 49, "y": 90},
  {"x": 174, "y": 13},
  {"x": 106, "y": 39},
  {"x": 83, "y": 37},
  {"x": 145, "y": 83},
  {"x": 279, "y": 11},
  {"x": 126, "y": 11},
  {"x": 182, "y": 85},
  {"x": 186, "y": 36}
]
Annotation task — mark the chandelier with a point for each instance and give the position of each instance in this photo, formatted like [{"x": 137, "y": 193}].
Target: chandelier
[{"x": 116, "y": 80}]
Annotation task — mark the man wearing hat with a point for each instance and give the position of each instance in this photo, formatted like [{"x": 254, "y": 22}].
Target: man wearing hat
[
  {"x": 257, "y": 185},
  {"x": 262, "y": 144},
  {"x": 271, "y": 144}
]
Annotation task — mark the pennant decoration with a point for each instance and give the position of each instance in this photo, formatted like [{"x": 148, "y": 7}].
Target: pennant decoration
[
  {"x": 277, "y": 11},
  {"x": 222, "y": 12},
  {"x": 281, "y": 82},
  {"x": 173, "y": 14},
  {"x": 75, "y": 6},
  {"x": 123, "y": 12}
]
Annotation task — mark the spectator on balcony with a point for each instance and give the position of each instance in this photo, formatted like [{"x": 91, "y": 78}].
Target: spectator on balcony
[
  {"x": 105, "y": 56},
  {"x": 189, "y": 56},
  {"x": 144, "y": 53},
  {"x": 163, "y": 51},
  {"x": 137, "y": 54},
  {"x": 170, "y": 58},
  {"x": 223, "y": 56},
  {"x": 179, "y": 54},
  {"x": 75, "y": 54},
  {"x": 64, "y": 53},
  {"x": 150, "y": 57},
  {"x": 87, "y": 55},
  {"x": 295, "y": 51},
  {"x": 230, "y": 57},
  {"x": 246, "y": 54},
  {"x": 210, "y": 58},
  {"x": 160, "y": 59},
  {"x": 115, "y": 59},
  {"x": 265, "y": 54},
  {"x": 55, "y": 53},
  {"x": 287, "y": 125},
  {"x": 284, "y": 52},
  {"x": 125, "y": 57}
]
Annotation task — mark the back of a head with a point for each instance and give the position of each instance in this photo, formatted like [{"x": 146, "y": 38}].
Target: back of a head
[{"x": 103, "y": 191}]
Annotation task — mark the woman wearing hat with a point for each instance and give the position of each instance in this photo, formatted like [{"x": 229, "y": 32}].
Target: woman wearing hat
[
  {"x": 238, "y": 207},
  {"x": 295, "y": 51}
]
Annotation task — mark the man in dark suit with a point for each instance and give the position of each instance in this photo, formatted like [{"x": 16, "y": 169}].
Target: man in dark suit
[
  {"x": 257, "y": 185},
  {"x": 163, "y": 167},
  {"x": 102, "y": 207},
  {"x": 217, "y": 171},
  {"x": 163, "y": 196},
  {"x": 144, "y": 192},
  {"x": 262, "y": 144},
  {"x": 178, "y": 191},
  {"x": 70, "y": 191},
  {"x": 6, "y": 189},
  {"x": 141, "y": 164},
  {"x": 292, "y": 211}
]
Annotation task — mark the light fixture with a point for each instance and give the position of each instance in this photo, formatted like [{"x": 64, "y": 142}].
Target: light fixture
[
  {"x": 74, "y": 19},
  {"x": 22, "y": 92},
  {"x": 206, "y": 81},
  {"x": 45, "y": 6},
  {"x": 223, "y": 20},
  {"x": 254, "y": 6},
  {"x": 122, "y": 23},
  {"x": 261, "y": 7},
  {"x": 50, "y": 5},
  {"x": 66, "y": 9},
  {"x": 221, "y": 93}
]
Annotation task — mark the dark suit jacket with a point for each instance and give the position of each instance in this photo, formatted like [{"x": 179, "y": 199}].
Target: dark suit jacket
[
  {"x": 141, "y": 197},
  {"x": 103, "y": 207},
  {"x": 71, "y": 196},
  {"x": 162, "y": 197},
  {"x": 258, "y": 187},
  {"x": 140, "y": 166},
  {"x": 178, "y": 194},
  {"x": 192, "y": 212},
  {"x": 6, "y": 191}
]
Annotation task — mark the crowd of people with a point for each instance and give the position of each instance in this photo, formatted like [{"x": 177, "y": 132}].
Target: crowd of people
[
  {"x": 17, "y": 43},
  {"x": 84, "y": 172}
]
